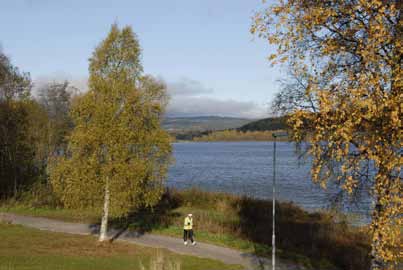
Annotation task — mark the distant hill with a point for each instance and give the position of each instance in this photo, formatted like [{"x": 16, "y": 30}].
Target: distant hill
[
  {"x": 202, "y": 123},
  {"x": 267, "y": 124}
]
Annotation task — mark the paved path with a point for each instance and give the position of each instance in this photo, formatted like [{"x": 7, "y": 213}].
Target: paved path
[{"x": 226, "y": 255}]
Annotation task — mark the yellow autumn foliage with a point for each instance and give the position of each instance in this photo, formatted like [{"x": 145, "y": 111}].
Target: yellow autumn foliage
[
  {"x": 117, "y": 145},
  {"x": 356, "y": 46}
]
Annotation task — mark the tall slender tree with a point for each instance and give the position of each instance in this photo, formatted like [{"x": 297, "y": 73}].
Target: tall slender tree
[
  {"x": 357, "y": 46},
  {"x": 55, "y": 99},
  {"x": 16, "y": 151},
  {"x": 118, "y": 154}
]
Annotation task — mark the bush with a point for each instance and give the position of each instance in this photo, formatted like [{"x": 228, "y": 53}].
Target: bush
[{"x": 39, "y": 195}]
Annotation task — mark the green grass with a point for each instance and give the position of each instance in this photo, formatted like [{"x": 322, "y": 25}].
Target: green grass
[
  {"x": 175, "y": 230},
  {"x": 84, "y": 216},
  {"x": 221, "y": 239},
  {"x": 25, "y": 248},
  {"x": 211, "y": 216},
  {"x": 225, "y": 240},
  {"x": 314, "y": 240}
]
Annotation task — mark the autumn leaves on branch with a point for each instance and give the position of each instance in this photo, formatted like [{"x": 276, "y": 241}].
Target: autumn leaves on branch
[{"x": 349, "y": 55}]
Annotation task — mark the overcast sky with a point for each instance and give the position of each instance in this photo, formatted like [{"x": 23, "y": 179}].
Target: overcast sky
[{"x": 202, "y": 49}]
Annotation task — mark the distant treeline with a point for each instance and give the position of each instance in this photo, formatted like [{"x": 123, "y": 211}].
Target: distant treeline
[
  {"x": 201, "y": 123},
  {"x": 188, "y": 135},
  {"x": 271, "y": 123},
  {"x": 260, "y": 130},
  {"x": 235, "y": 135}
]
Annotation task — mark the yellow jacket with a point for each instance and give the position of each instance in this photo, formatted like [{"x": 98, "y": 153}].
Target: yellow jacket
[{"x": 188, "y": 224}]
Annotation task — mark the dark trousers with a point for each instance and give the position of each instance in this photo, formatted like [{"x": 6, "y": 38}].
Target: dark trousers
[{"x": 188, "y": 234}]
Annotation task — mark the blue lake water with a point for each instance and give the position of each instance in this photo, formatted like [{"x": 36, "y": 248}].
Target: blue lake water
[{"x": 246, "y": 168}]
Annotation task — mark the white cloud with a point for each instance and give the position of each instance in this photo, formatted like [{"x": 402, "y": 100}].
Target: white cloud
[
  {"x": 192, "y": 98},
  {"x": 187, "y": 87},
  {"x": 80, "y": 82},
  {"x": 188, "y": 97}
]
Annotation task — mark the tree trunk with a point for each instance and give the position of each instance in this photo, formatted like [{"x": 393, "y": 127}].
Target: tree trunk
[
  {"x": 380, "y": 219},
  {"x": 13, "y": 172},
  {"x": 376, "y": 261},
  {"x": 104, "y": 223},
  {"x": 15, "y": 164}
]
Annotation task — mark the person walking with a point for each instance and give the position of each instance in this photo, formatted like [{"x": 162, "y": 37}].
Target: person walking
[{"x": 188, "y": 230}]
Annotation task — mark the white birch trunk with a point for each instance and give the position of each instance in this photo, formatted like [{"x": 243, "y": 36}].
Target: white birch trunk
[{"x": 104, "y": 223}]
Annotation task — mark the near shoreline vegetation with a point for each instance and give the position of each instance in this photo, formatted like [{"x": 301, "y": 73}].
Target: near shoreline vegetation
[{"x": 320, "y": 240}]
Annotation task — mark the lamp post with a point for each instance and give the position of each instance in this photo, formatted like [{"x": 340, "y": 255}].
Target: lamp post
[{"x": 273, "y": 239}]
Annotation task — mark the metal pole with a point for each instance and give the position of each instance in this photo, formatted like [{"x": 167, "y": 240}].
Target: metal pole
[{"x": 274, "y": 206}]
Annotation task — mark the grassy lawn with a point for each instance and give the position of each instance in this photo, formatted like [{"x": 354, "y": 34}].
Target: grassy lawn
[
  {"x": 26, "y": 248},
  {"x": 55, "y": 213},
  {"x": 225, "y": 240},
  {"x": 313, "y": 240},
  {"x": 175, "y": 230},
  {"x": 209, "y": 232}
]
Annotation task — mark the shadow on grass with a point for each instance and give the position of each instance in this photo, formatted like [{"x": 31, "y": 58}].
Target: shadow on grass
[
  {"x": 316, "y": 236},
  {"x": 147, "y": 219}
]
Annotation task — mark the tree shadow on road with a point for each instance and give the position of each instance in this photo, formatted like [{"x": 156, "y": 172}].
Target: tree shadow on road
[{"x": 147, "y": 219}]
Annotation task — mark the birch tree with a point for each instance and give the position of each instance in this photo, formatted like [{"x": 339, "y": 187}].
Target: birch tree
[
  {"x": 357, "y": 46},
  {"x": 118, "y": 155}
]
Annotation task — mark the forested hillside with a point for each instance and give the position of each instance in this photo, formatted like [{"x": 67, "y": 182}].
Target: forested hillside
[
  {"x": 271, "y": 123},
  {"x": 202, "y": 123}
]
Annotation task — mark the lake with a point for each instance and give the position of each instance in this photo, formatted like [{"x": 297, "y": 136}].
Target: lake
[{"x": 246, "y": 168}]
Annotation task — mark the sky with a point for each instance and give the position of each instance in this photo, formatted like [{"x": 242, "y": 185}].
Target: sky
[{"x": 202, "y": 49}]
